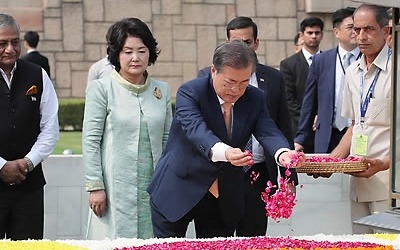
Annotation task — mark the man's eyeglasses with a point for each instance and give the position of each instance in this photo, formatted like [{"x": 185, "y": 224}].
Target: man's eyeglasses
[{"x": 233, "y": 85}]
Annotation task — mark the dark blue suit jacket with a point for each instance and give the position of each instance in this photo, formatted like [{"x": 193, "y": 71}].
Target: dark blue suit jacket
[
  {"x": 185, "y": 172},
  {"x": 271, "y": 82},
  {"x": 319, "y": 98}
]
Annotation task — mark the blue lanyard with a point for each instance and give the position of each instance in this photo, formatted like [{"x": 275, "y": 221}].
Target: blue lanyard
[
  {"x": 364, "y": 104},
  {"x": 368, "y": 96}
]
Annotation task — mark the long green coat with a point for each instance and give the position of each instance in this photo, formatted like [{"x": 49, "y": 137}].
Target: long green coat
[{"x": 125, "y": 129}]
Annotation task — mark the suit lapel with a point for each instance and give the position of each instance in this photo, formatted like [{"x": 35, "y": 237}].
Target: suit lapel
[
  {"x": 264, "y": 83},
  {"x": 303, "y": 61},
  {"x": 262, "y": 78},
  {"x": 332, "y": 77}
]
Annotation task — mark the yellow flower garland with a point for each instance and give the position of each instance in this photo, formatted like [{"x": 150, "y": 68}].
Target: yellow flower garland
[
  {"x": 37, "y": 245},
  {"x": 384, "y": 236}
]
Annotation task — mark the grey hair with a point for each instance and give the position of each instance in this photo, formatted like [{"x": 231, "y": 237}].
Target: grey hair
[
  {"x": 381, "y": 16},
  {"x": 7, "y": 21},
  {"x": 236, "y": 54}
]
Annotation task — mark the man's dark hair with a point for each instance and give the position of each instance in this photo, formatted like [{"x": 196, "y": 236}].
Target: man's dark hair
[
  {"x": 235, "y": 54},
  {"x": 341, "y": 14},
  {"x": 311, "y": 22},
  {"x": 241, "y": 22},
  {"x": 32, "y": 38}
]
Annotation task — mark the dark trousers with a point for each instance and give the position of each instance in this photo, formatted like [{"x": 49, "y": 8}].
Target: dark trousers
[
  {"x": 309, "y": 144},
  {"x": 336, "y": 136},
  {"x": 21, "y": 214},
  {"x": 207, "y": 220},
  {"x": 255, "y": 221}
]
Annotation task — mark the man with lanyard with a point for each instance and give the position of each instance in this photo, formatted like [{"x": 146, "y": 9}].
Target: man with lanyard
[
  {"x": 323, "y": 87},
  {"x": 367, "y": 98}
]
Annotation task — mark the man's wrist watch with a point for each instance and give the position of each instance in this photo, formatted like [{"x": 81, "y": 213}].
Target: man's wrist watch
[{"x": 29, "y": 163}]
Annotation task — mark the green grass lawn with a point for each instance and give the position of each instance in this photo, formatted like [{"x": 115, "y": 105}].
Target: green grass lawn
[{"x": 69, "y": 140}]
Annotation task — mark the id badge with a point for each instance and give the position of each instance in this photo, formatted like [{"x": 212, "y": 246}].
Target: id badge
[{"x": 361, "y": 144}]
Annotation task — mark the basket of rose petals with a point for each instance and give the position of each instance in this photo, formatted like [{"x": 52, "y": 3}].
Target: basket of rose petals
[{"x": 323, "y": 164}]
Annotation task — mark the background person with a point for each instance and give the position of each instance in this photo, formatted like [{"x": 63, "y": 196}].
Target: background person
[
  {"x": 298, "y": 43},
  {"x": 294, "y": 70},
  {"x": 102, "y": 67},
  {"x": 31, "y": 41},
  {"x": 99, "y": 69},
  {"x": 126, "y": 124},
  {"x": 28, "y": 133}
]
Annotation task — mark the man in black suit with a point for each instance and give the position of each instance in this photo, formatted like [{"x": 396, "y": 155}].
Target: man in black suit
[
  {"x": 254, "y": 222},
  {"x": 31, "y": 40},
  {"x": 294, "y": 70}
]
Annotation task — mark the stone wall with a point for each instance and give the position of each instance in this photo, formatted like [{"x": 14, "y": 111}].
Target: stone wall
[{"x": 73, "y": 32}]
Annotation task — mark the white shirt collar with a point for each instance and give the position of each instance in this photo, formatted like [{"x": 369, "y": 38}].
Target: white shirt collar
[
  {"x": 342, "y": 52},
  {"x": 380, "y": 61},
  {"x": 308, "y": 55}
]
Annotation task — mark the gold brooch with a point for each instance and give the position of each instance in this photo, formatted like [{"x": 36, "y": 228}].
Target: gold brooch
[{"x": 157, "y": 93}]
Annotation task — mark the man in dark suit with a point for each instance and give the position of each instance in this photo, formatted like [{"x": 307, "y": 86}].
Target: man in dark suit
[
  {"x": 199, "y": 175},
  {"x": 254, "y": 222},
  {"x": 323, "y": 86},
  {"x": 31, "y": 41},
  {"x": 294, "y": 70}
]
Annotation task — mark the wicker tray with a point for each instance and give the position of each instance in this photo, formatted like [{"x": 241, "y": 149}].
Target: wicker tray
[{"x": 332, "y": 167}]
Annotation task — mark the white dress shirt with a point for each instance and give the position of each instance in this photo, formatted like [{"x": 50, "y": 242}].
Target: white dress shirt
[{"x": 49, "y": 128}]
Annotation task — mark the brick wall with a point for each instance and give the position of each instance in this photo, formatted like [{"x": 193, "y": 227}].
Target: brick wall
[{"x": 73, "y": 32}]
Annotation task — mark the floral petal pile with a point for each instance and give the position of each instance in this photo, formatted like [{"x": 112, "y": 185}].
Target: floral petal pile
[
  {"x": 332, "y": 159},
  {"x": 258, "y": 243},
  {"x": 281, "y": 203}
]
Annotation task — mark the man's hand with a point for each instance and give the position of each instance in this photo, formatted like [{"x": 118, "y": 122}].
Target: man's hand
[
  {"x": 324, "y": 175},
  {"x": 98, "y": 202},
  {"x": 239, "y": 158},
  {"x": 292, "y": 188},
  {"x": 298, "y": 147},
  {"x": 23, "y": 166},
  {"x": 290, "y": 158},
  {"x": 374, "y": 166},
  {"x": 314, "y": 126},
  {"x": 14, "y": 172}
]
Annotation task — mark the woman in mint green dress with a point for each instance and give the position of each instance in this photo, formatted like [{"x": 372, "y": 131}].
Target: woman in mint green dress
[{"x": 126, "y": 125}]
